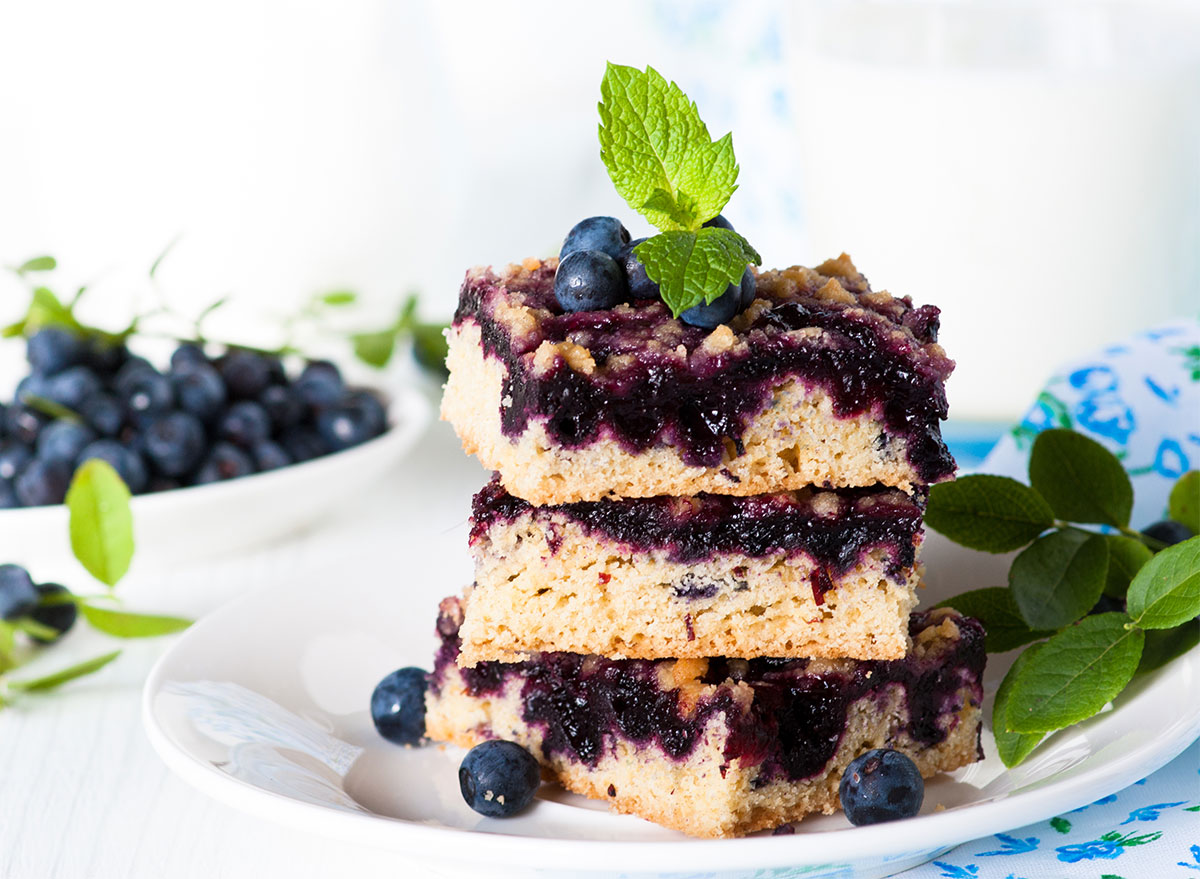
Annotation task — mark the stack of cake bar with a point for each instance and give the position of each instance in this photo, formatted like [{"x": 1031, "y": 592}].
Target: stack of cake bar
[{"x": 696, "y": 565}]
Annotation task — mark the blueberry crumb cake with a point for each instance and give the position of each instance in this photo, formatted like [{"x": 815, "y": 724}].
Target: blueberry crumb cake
[{"x": 718, "y": 747}]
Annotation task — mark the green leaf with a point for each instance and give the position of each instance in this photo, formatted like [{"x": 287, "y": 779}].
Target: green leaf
[
  {"x": 51, "y": 408},
  {"x": 988, "y": 513},
  {"x": 338, "y": 298},
  {"x": 430, "y": 347},
  {"x": 1013, "y": 747},
  {"x": 374, "y": 349},
  {"x": 1059, "y": 577},
  {"x": 45, "y": 310},
  {"x": 123, "y": 624},
  {"x": 101, "y": 523},
  {"x": 154, "y": 266},
  {"x": 1080, "y": 479},
  {"x": 34, "y": 629},
  {"x": 996, "y": 609},
  {"x": 1184, "y": 504},
  {"x": 1074, "y": 674},
  {"x": 1163, "y": 645},
  {"x": 37, "y": 264},
  {"x": 1166, "y": 591},
  {"x": 58, "y": 678},
  {"x": 695, "y": 267},
  {"x": 658, "y": 151},
  {"x": 1125, "y": 558}
]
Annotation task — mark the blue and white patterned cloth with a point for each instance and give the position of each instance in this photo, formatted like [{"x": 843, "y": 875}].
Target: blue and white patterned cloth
[{"x": 1141, "y": 399}]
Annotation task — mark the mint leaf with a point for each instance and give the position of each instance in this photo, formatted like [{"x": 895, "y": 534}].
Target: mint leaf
[
  {"x": 37, "y": 264},
  {"x": 430, "y": 347},
  {"x": 1184, "y": 503},
  {"x": 996, "y": 609},
  {"x": 1163, "y": 645},
  {"x": 988, "y": 513},
  {"x": 1125, "y": 558},
  {"x": 1013, "y": 747},
  {"x": 45, "y": 310},
  {"x": 122, "y": 624},
  {"x": 101, "y": 523},
  {"x": 338, "y": 298},
  {"x": 658, "y": 151},
  {"x": 58, "y": 678},
  {"x": 374, "y": 349},
  {"x": 1059, "y": 577},
  {"x": 695, "y": 267},
  {"x": 1166, "y": 591},
  {"x": 1080, "y": 479},
  {"x": 51, "y": 408},
  {"x": 1074, "y": 674}
]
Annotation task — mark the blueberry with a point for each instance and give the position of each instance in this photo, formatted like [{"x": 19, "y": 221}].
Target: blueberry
[
  {"x": 104, "y": 413},
  {"x": 1168, "y": 531},
  {"x": 398, "y": 706},
  {"x": 589, "y": 280},
  {"x": 226, "y": 461},
  {"x": 639, "y": 284},
  {"x": 14, "y": 456},
  {"x": 23, "y": 424},
  {"x": 371, "y": 409},
  {"x": 719, "y": 311},
  {"x": 320, "y": 384},
  {"x": 881, "y": 785},
  {"x": 105, "y": 356},
  {"x": 283, "y": 406},
  {"x": 605, "y": 234},
  {"x": 145, "y": 391},
  {"x": 128, "y": 463},
  {"x": 174, "y": 443},
  {"x": 246, "y": 373},
  {"x": 8, "y": 495},
  {"x": 162, "y": 483},
  {"x": 346, "y": 425},
  {"x": 498, "y": 779},
  {"x": 749, "y": 289},
  {"x": 719, "y": 222},
  {"x": 54, "y": 610},
  {"x": 63, "y": 441},
  {"x": 53, "y": 349},
  {"x": 198, "y": 389},
  {"x": 17, "y": 593},
  {"x": 245, "y": 423},
  {"x": 42, "y": 483},
  {"x": 73, "y": 386},
  {"x": 33, "y": 385},
  {"x": 303, "y": 444},
  {"x": 269, "y": 456},
  {"x": 188, "y": 354}
]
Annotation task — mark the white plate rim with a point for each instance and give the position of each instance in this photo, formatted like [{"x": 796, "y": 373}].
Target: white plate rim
[{"x": 932, "y": 833}]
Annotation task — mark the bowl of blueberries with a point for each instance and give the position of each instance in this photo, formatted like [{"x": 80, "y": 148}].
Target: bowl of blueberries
[{"x": 222, "y": 449}]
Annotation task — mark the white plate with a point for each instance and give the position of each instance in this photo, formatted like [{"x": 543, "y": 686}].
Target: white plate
[
  {"x": 263, "y": 706},
  {"x": 206, "y": 521}
]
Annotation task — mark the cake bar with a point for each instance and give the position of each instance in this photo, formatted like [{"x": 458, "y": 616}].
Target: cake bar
[
  {"x": 718, "y": 747},
  {"x": 804, "y": 573},
  {"x": 820, "y": 381}
]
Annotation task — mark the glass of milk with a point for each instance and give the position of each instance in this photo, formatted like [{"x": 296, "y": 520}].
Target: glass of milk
[{"x": 1031, "y": 167}]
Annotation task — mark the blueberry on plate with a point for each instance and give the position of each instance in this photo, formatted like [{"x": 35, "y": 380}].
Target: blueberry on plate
[
  {"x": 320, "y": 384},
  {"x": 63, "y": 441},
  {"x": 144, "y": 390},
  {"x": 283, "y": 406},
  {"x": 881, "y": 785},
  {"x": 269, "y": 455},
  {"x": 104, "y": 414},
  {"x": 188, "y": 354},
  {"x": 14, "y": 456},
  {"x": 589, "y": 280},
  {"x": 303, "y": 443},
  {"x": 174, "y": 443},
  {"x": 719, "y": 222},
  {"x": 198, "y": 388},
  {"x": 398, "y": 706},
  {"x": 23, "y": 424},
  {"x": 1168, "y": 531},
  {"x": 8, "y": 495},
  {"x": 720, "y": 310},
  {"x": 245, "y": 423},
  {"x": 605, "y": 234},
  {"x": 43, "y": 483},
  {"x": 72, "y": 387},
  {"x": 639, "y": 284},
  {"x": 246, "y": 373},
  {"x": 226, "y": 461},
  {"x": 55, "y": 610},
  {"x": 345, "y": 425},
  {"x": 17, "y": 593},
  {"x": 749, "y": 289},
  {"x": 128, "y": 463},
  {"x": 53, "y": 349},
  {"x": 498, "y": 779}
]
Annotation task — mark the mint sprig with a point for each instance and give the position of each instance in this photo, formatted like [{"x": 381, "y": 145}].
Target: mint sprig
[
  {"x": 666, "y": 166},
  {"x": 1079, "y": 659}
]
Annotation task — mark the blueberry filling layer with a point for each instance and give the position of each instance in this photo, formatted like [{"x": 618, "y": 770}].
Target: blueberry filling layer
[
  {"x": 864, "y": 361},
  {"x": 692, "y": 529},
  {"x": 791, "y": 730}
]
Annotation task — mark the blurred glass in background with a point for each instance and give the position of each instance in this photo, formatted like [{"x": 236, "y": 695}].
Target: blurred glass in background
[{"x": 1033, "y": 168}]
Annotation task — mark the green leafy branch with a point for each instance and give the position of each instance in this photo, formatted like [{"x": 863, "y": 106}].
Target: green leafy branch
[{"x": 1067, "y": 586}]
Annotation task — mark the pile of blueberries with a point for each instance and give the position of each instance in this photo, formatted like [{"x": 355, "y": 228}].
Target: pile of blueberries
[
  {"x": 598, "y": 269},
  {"x": 203, "y": 420},
  {"x": 47, "y": 604}
]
